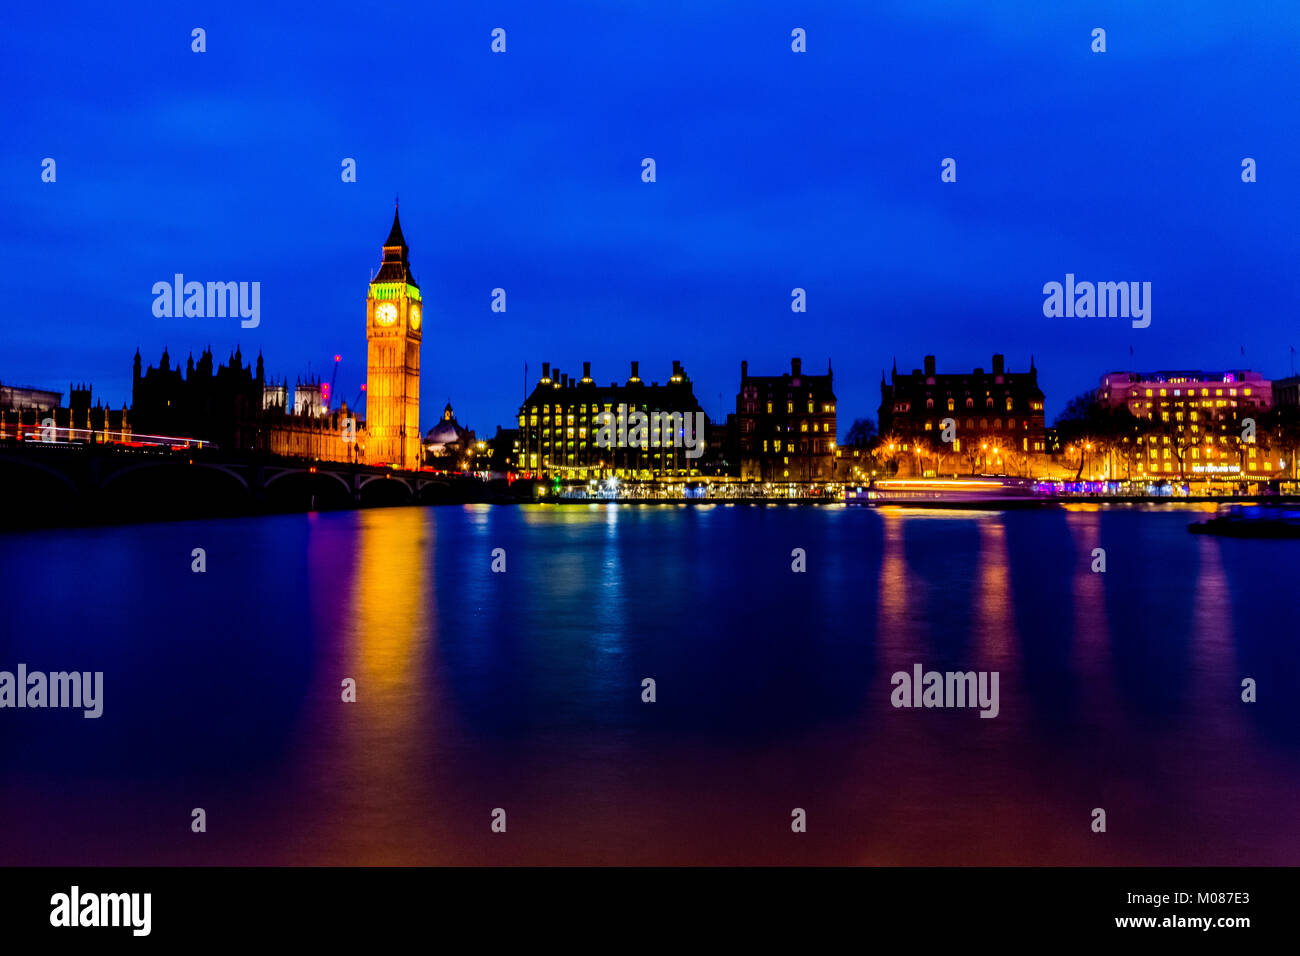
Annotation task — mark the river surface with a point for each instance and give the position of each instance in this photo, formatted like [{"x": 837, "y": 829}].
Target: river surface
[{"x": 522, "y": 691}]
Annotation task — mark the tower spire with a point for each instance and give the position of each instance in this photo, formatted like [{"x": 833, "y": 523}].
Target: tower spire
[
  {"x": 395, "y": 238},
  {"x": 396, "y": 266}
]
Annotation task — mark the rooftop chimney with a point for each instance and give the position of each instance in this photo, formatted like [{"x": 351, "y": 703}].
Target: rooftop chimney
[
  {"x": 796, "y": 367},
  {"x": 546, "y": 370},
  {"x": 997, "y": 364},
  {"x": 636, "y": 373},
  {"x": 586, "y": 370},
  {"x": 929, "y": 366},
  {"x": 744, "y": 370}
]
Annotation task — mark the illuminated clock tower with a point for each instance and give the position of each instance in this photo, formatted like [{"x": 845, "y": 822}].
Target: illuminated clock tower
[{"x": 394, "y": 323}]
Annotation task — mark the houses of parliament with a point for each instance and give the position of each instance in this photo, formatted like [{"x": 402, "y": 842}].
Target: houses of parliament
[{"x": 236, "y": 407}]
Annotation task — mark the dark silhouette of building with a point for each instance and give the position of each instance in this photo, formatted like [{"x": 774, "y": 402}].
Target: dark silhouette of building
[
  {"x": 233, "y": 407},
  {"x": 212, "y": 404},
  {"x": 1286, "y": 392}
]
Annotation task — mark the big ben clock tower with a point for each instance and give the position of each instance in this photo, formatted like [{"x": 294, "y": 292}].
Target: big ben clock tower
[{"x": 393, "y": 328}]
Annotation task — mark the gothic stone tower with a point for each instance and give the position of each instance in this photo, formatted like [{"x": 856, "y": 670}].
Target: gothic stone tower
[{"x": 393, "y": 330}]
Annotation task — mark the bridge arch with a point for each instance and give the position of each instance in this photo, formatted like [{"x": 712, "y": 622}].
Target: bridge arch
[
  {"x": 14, "y": 460},
  {"x": 385, "y": 490},
  {"x": 171, "y": 487},
  {"x": 286, "y": 472}
]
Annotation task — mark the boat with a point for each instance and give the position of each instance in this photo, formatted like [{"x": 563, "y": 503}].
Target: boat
[
  {"x": 987, "y": 490},
  {"x": 1251, "y": 523}
]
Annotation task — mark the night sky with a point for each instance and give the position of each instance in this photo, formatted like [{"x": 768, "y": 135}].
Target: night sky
[{"x": 775, "y": 170}]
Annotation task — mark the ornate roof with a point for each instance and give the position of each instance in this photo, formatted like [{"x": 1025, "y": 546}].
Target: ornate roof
[
  {"x": 396, "y": 266},
  {"x": 395, "y": 237},
  {"x": 447, "y": 431}
]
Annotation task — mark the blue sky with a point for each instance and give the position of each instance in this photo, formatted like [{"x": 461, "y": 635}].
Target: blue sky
[{"x": 775, "y": 170}]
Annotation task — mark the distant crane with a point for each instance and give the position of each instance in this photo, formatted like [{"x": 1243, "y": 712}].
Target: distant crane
[{"x": 329, "y": 394}]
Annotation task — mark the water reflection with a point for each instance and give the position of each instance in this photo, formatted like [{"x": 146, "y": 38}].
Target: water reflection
[{"x": 522, "y": 690}]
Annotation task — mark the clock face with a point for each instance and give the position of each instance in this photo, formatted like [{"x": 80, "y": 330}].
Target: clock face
[
  {"x": 386, "y": 314},
  {"x": 415, "y": 315}
]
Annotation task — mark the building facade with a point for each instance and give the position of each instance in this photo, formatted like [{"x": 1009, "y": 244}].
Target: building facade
[
  {"x": 322, "y": 436},
  {"x": 1286, "y": 392},
  {"x": 394, "y": 326},
  {"x": 785, "y": 426},
  {"x": 308, "y": 398},
  {"x": 27, "y": 415},
  {"x": 24, "y": 398},
  {"x": 1194, "y": 422},
  {"x": 997, "y": 420},
  {"x": 560, "y": 420}
]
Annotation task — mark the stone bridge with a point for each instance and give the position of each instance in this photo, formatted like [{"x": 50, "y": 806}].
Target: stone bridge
[{"x": 54, "y": 482}]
